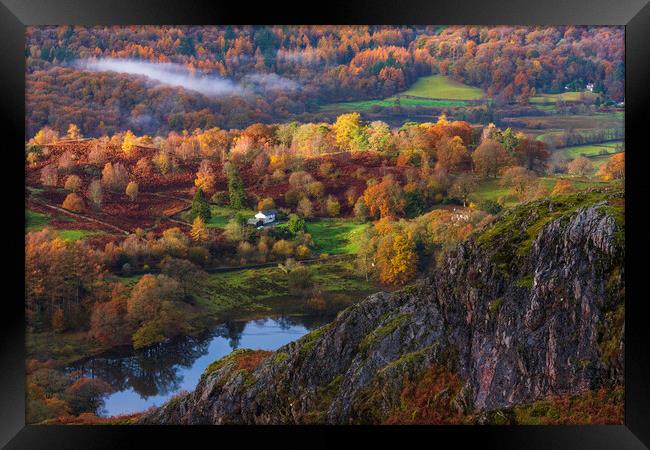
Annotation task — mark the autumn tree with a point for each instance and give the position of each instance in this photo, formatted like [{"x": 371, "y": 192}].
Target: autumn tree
[
  {"x": 463, "y": 186},
  {"x": 163, "y": 162},
  {"x": 132, "y": 190},
  {"x": 350, "y": 134},
  {"x": 199, "y": 231},
  {"x": 614, "y": 168},
  {"x": 305, "y": 208},
  {"x": 142, "y": 168},
  {"x": 531, "y": 154},
  {"x": 265, "y": 203},
  {"x": 129, "y": 143},
  {"x": 205, "y": 177},
  {"x": 46, "y": 135},
  {"x": 66, "y": 161},
  {"x": 49, "y": 175},
  {"x": 452, "y": 153},
  {"x": 190, "y": 278},
  {"x": 115, "y": 177},
  {"x": 380, "y": 138},
  {"x": 385, "y": 198},
  {"x": 361, "y": 210},
  {"x": 97, "y": 154},
  {"x": 58, "y": 277},
  {"x": 72, "y": 183},
  {"x": 489, "y": 158},
  {"x": 86, "y": 394},
  {"x": 332, "y": 206},
  {"x": 562, "y": 187},
  {"x": 396, "y": 259},
  {"x": 95, "y": 193},
  {"x": 151, "y": 308},
  {"x": 237, "y": 229},
  {"x": 73, "y": 202},
  {"x": 108, "y": 323},
  {"x": 519, "y": 179},
  {"x": 580, "y": 166},
  {"x": 73, "y": 132}
]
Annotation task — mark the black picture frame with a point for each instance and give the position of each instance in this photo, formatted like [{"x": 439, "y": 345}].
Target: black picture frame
[{"x": 633, "y": 14}]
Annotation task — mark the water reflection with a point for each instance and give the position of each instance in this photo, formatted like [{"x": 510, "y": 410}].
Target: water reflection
[{"x": 148, "y": 377}]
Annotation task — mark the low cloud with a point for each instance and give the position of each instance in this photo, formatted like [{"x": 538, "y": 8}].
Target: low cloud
[
  {"x": 172, "y": 74},
  {"x": 270, "y": 81}
]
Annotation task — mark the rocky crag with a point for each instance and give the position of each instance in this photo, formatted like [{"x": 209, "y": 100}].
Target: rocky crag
[{"x": 528, "y": 309}]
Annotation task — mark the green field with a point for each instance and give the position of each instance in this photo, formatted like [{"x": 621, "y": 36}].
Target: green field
[
  {"x": 365, "y": 105},
  {"x": 335, "y": 236},
  {"x": 435, "y": 91},
  {"x": 439, "y": 86},
  {"x": 36, "y": 221},
  {"x": 606, "y": 148},
  {"x": 571, "y": 96},
  {"x": 491, "y": 190}
]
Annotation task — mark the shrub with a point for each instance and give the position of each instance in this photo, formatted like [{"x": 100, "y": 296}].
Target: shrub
[
  {"x": 299, "y": 280},
  {"x": 316, "y": 190},
  {"x": 49, "y": 175},
  {"x": 73, "y": 202},
  {"x": 72, "y": 183},
  {"x": 305, "y": 208},
  {"x": 332, "y": 206},
  {"x": 316, "y": 302},
  {"x": 265, "y": 203},
  {"x": 95, "y": 193},
  {"x": 283, "y": 248},
  {"x": 490, "y": 206},
  {"x": 296, "y": 224},
  {"x": 132, "y": 190}
]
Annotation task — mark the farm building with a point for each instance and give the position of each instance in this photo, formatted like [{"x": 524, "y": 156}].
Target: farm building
[{"x": 263, "y": 217}]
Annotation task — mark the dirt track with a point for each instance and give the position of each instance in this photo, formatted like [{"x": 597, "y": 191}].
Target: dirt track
[{"x": 79, "y": 216}]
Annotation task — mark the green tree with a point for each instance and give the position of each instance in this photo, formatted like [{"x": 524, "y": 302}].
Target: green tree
[
  {"x": 350, "y": 133},
  {"x": 296, "y": 224},
  {"x": 200, "y": 207},
  {"x": 236, "y": 192}
]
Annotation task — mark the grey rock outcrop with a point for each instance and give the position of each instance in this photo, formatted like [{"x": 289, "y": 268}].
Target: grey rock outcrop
[{"x": 522, "y": 311}]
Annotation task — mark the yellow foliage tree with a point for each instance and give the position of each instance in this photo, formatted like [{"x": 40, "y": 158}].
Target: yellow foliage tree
[
  {"x": 73, "y": 132},
  {"x": 205, "y": 178},
  {"x": 132, "y": 190},
  {"x": 349, "y": 132},
  {"x": 129, "y": 142},
  {"x": 614, "y": 168},
  {"x": 199, "y": 231},
  {"x": 397, "y": 259}
]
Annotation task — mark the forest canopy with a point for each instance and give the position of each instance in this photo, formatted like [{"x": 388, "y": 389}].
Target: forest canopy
[{"x": 281, "y": 73}]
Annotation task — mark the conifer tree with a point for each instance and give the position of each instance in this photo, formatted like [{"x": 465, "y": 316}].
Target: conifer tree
[
  {"x": 200, "y": 206},
  {"x": 199, "y": 231}
]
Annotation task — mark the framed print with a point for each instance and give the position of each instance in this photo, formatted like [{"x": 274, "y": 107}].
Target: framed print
[{"x": 388, "y": 219}]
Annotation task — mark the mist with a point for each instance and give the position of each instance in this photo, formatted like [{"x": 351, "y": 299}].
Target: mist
[{"x": 172, "y": 74}]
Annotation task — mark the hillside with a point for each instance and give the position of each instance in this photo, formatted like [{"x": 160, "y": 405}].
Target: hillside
[{"x": 521, "y": 323}]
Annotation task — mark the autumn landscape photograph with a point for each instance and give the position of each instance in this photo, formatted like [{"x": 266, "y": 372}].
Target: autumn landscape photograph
[{"x": 385, "y": 225}]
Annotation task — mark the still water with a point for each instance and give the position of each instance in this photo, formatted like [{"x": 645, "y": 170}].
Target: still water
[{"x": 149, "y": 377}]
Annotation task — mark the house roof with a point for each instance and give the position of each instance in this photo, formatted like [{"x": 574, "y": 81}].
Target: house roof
[{"x": 266, "y": 213}]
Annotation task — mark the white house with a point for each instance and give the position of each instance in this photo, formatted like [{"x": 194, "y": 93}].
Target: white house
[
  {"x": 263, "y": 217},
  {"x": 590, "y": 87}
]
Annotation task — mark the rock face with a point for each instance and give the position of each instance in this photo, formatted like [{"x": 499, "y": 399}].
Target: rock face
[{"x": 530, "y": 307}]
